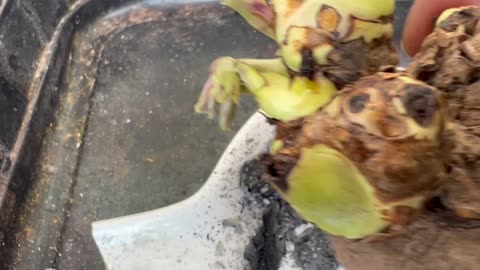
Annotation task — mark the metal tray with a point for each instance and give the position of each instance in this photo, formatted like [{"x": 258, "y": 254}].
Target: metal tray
[{"x": 96, "y": 116}]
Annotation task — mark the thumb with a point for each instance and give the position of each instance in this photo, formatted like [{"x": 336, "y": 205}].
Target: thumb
[{"x": 421, "y": 19}]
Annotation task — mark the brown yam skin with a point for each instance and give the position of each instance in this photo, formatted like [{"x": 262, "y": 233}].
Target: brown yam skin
[
  {"x": 461, "y": 193},
  {"x": 349, "y": 60},
  {"x": 353, "y": 60},
  {"x": 435, "y": 241},
  {"x": 450, "y": 60}
]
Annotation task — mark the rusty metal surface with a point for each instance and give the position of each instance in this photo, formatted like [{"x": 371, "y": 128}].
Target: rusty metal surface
[{"x": 109, "y": 128}]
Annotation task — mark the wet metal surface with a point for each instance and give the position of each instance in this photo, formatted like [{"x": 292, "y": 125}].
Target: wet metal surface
[
  {"x": 143, "y": 145},
  {"x": 124, "y": 138}
]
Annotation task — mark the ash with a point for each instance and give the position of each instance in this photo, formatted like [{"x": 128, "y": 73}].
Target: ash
[{"x": 284, "y": 235}]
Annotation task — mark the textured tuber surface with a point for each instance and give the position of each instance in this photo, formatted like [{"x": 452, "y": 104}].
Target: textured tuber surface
[
  {"x": 339, "y": 171},
  {"x": 345, "y": 40},
  {"x": 445, "y": 235},
  {"x": 449, "y": 60},
  {"x": 437, "y": 240}
]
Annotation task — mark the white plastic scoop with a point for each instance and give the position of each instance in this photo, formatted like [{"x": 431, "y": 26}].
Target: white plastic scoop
[{"x": 192, "y": 234}]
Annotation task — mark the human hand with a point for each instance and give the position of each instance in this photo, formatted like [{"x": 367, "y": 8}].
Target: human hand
[{"x": 420, "y": 20}]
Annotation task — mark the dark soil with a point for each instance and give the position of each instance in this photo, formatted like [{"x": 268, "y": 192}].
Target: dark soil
[{"x": 283, "y": 233}]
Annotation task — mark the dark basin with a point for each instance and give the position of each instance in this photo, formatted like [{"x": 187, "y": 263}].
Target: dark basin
[{"x": 96, "y": 116}]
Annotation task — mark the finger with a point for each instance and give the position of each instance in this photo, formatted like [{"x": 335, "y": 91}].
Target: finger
[{"x": 421, "y": 18}]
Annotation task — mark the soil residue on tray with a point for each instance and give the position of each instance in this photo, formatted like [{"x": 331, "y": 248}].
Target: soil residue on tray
[{"x": 283, "y": 234}]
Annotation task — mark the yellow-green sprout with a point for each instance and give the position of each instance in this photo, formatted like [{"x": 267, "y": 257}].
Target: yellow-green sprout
[
  {"x": 323, "y": 45},
  {"x": 278, "y": 96}
]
